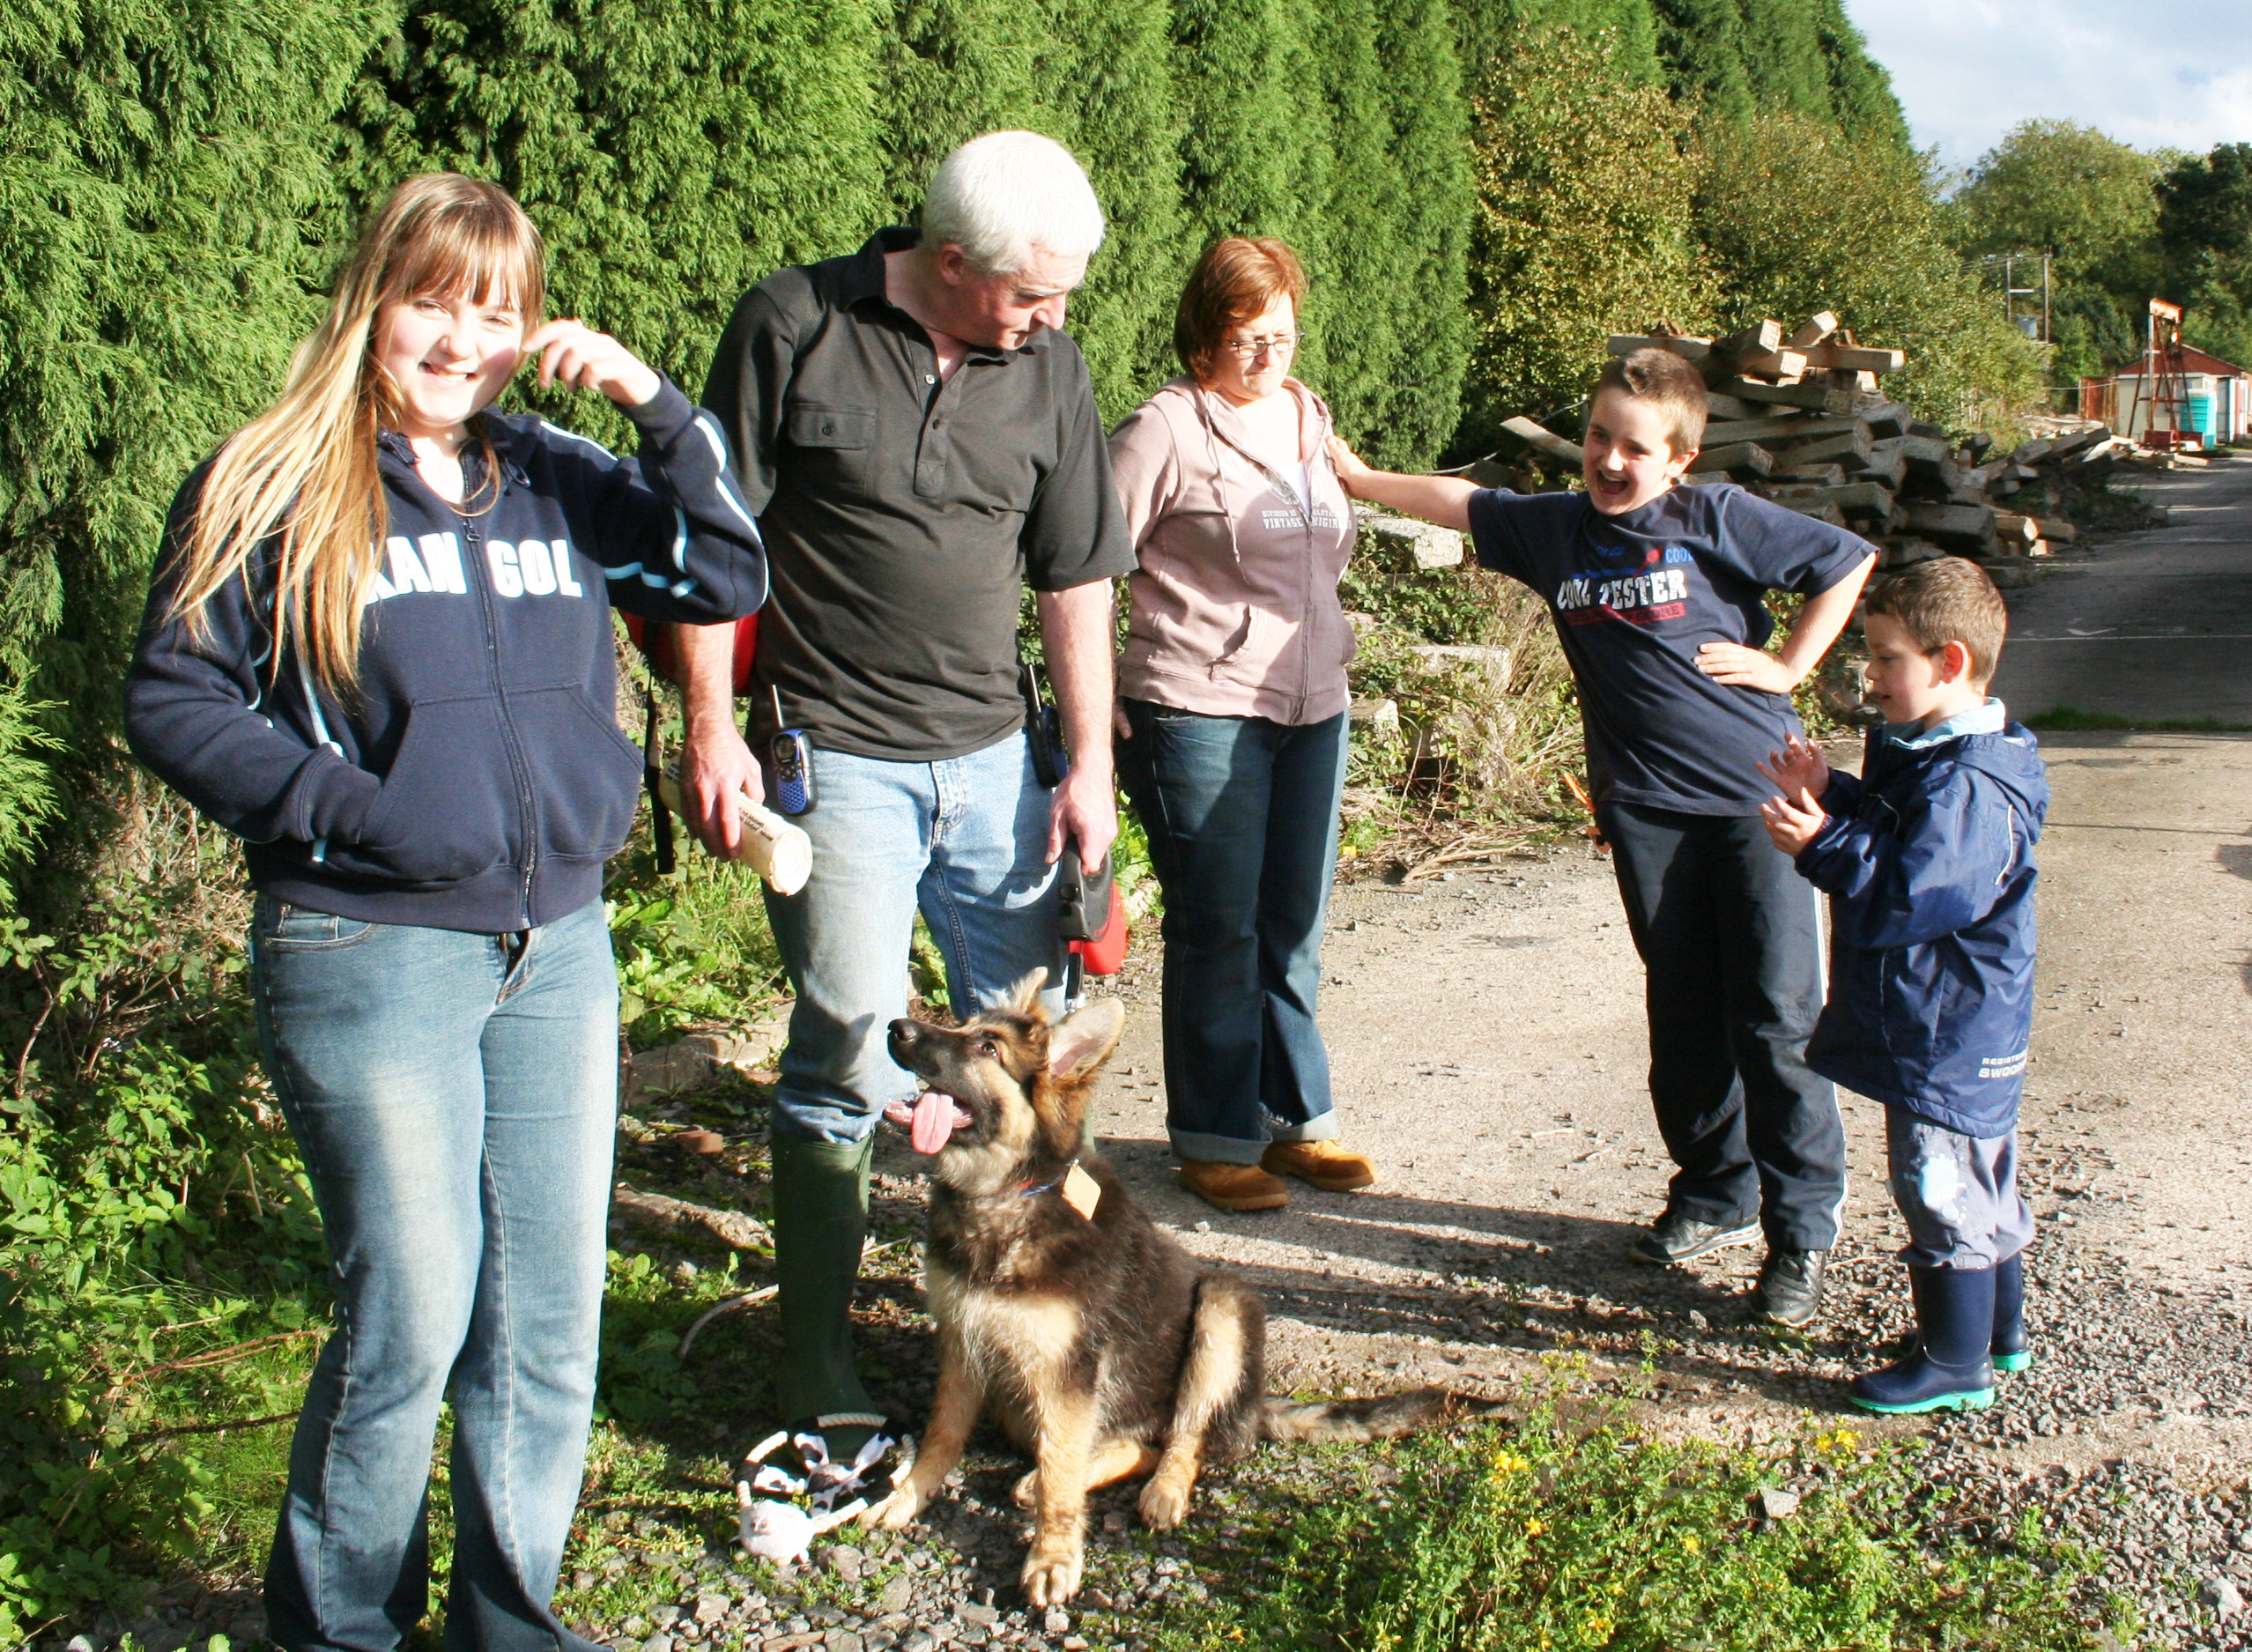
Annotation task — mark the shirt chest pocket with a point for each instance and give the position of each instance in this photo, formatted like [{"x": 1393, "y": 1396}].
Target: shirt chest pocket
[{"x": 833, "y": 443}]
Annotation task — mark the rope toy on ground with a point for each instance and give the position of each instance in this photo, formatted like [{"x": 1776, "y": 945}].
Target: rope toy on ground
[{"x": 776, "y": 1527}]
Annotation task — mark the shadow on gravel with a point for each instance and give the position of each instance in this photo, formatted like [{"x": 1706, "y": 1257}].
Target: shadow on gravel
[{"x": 1520, "y": 1281}]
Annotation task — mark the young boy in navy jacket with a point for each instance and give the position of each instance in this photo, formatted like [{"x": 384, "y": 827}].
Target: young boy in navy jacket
[
  {"x": 1929, "y": 861},
  {"x": 1658, "y": 592}
]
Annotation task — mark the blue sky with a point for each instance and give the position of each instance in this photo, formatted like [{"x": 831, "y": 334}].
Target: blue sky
[{"x": 1967, "y": 70}]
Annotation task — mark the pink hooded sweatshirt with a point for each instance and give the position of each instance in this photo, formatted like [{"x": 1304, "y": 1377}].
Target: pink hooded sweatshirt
[{"x": 1235, "y": 610}]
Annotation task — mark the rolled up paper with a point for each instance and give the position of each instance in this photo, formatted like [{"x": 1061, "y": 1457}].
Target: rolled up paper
[{"x": 777, "y": 849}]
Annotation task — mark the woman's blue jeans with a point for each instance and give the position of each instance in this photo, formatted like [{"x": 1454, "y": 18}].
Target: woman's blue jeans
[
  {"x": 1243, "y": 820},
  {"x": 454, "y": 1097}
]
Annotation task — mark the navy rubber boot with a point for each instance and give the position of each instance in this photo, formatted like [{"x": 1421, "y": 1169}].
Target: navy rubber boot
[
  {"x": 1948, "y": 1370},
  {"x": 2013, "y": 1349}
]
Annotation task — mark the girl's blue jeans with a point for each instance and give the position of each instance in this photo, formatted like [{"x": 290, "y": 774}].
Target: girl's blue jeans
[{"x": 454, "y": 1097}]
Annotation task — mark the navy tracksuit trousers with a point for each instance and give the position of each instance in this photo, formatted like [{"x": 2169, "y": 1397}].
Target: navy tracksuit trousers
[{"x": 1731, "y": 936}]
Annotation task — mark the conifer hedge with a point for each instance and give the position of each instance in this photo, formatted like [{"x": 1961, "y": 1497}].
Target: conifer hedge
[{"x": 177, "y": 180}]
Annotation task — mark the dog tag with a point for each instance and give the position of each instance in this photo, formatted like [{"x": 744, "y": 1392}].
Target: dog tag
[{"x": 1082, "y": 1192}]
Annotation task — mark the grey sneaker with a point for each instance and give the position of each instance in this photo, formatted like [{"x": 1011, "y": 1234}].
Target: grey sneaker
[
  {"x": 1676, "y": 1238},
  {"x": 1789, "y": 1291}
]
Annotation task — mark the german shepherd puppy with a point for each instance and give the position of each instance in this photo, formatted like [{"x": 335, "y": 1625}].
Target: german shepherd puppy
[{"x": 1104, "y": 1349}]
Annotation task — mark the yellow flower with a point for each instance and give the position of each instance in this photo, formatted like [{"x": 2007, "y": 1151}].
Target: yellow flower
[
  {"x": 1507, "y": 1464},
  {"x": 1689, "y": 1542},
  {"x": 1596, "y": 1631},
  {"x": 1534, "y": 1528}
]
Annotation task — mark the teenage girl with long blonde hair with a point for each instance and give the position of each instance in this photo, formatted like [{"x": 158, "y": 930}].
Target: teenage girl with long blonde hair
[{"x": 378, "y": 648}]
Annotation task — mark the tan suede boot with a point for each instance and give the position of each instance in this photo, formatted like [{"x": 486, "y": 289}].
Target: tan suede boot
[
  {"x": 1324, "y": 1165},
  {"x": 1233, "y": 1187}
]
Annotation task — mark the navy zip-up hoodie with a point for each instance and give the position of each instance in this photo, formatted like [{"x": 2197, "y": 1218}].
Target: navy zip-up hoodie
[
  {"x": 1929, "y": 859},
  {"x": 477, "y": 779}
]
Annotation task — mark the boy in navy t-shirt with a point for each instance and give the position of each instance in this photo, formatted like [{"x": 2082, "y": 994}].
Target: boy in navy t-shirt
[{"x": 1658, "y": 596}]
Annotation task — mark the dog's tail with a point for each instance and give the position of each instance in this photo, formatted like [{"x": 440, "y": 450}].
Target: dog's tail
[{"x": 1384, "y": 1418}]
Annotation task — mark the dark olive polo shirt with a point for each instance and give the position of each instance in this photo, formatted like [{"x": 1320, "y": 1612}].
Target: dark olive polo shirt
[{"x": 902, "y": 517}]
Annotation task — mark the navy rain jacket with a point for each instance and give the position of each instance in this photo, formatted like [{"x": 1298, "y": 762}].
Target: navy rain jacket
[
  {"x": 1928, "y": 857},
  {"x": 477, "y": 779}
]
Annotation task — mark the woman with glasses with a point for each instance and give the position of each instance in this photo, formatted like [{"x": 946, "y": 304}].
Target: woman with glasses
[{"x": 1232, "y": 719}]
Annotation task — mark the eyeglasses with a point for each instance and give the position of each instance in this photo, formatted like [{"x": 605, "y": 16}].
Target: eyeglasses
[{"x": 1244, "y": 348}]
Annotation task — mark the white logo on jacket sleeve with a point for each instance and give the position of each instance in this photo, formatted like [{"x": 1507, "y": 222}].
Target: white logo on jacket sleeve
[{"x": 2001, "y": 1066}]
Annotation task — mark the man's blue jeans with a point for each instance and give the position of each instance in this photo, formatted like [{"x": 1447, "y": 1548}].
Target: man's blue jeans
[
  {"x": 964, "y": 840},
  {"x": 454, "y": 1097},
  {"x": 1242, "y": 814}
]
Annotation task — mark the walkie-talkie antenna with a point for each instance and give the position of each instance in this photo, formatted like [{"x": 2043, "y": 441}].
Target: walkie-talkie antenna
[{"x": 776, "y": 690}]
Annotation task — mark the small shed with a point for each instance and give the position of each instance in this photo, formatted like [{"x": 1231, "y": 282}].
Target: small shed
[{"x": 2207, "y": 399}]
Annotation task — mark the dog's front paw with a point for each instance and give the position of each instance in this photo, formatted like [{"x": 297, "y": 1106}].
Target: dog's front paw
[
  {"x": 1051, "y": 1575},
  {"x": 1165, "y": 1504},
  {"x": 897, "y": 1512}
]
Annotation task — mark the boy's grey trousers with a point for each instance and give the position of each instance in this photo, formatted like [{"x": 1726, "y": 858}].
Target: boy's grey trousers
[{"x": 1958, "y": 1194}]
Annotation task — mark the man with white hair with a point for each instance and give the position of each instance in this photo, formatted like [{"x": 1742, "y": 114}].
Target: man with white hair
[{"x": 919, "y": 440}]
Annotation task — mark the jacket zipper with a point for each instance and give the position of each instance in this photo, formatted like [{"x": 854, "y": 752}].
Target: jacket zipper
[{"x": 527, "y": 820}]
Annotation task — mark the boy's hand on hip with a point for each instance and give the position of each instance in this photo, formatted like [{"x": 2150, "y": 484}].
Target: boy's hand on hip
[
  {"x": 1793, "y": 822},
  {"x": 1739, "y": 667}
]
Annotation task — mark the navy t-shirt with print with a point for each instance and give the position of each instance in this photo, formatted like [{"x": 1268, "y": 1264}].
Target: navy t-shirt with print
[{"x": 1635, "y": 596}]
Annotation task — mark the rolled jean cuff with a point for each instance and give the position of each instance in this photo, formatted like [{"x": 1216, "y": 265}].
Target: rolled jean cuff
[
  {"x": 1214, "y": 1150},
  {"x": 1228, "y": 1150}
]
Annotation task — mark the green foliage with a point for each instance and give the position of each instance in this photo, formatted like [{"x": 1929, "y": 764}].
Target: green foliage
[
  {"x": 166, "y": 193},
  {"x": 1862, "y": 100},
  {"x": 672, "y": 153},
  {"x": 1096, "y": 77},
  {"x": 1482, "y": 737},
  {"x": 1583, "y": 229},
  {"x": 154, "y": 1225},
  {"x": 2060, "y": 188},
  {"x": 1491, "y": 33},
  {"x": 1794, "y": 217},
  {"x": 1581, "y": 1531},
  {"x": 1425, "y": 267},
  {"x": 2205, "y": 243},
  {"x": 1739, "y": 58},
  {"x": 27, "y": 797},
  {"x": 2067, "y": 189}
]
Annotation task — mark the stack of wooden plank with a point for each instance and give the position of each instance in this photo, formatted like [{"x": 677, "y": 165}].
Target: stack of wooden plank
[{"x": 1801, "y": 418}]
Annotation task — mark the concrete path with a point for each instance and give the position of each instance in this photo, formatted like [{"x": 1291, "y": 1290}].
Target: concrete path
[
  {"x": 1488, "y": 1041},
  {"x": 2155, "y": 625}
]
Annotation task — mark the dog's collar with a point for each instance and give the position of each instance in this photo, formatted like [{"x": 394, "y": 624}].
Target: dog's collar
[{"x": 1034, "y": 1190}]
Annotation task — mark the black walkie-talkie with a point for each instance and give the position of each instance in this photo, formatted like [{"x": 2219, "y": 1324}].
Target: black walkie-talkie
[
  {"x": 1043, "y": 730},
  {"x": 793, "y": 758}
]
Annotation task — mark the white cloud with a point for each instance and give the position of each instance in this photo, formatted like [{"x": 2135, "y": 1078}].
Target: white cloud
[{"x": 1968, "y": 71}]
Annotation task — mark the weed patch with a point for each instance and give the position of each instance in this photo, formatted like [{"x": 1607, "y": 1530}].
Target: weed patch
[{"x": 1556, "y": 1535}]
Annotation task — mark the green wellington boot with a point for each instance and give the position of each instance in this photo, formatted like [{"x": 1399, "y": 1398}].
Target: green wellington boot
[{"x": 820, "y": 1222}]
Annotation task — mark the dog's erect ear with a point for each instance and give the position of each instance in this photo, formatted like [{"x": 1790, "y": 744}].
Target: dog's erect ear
[
  {"x": 1023, "y": 997},
  {"x": 1082, "y": 1040}
]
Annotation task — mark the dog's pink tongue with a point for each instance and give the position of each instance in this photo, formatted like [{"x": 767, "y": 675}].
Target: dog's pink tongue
[{"x": 934, "y": 1121}]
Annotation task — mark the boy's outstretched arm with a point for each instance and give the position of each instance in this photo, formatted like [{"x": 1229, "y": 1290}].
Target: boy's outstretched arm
[
  {"x": 1443, "y": 499},
  {"x": 1819, "y": 620}
]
